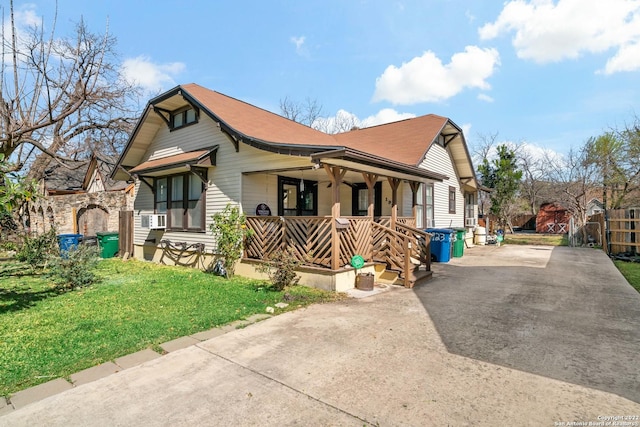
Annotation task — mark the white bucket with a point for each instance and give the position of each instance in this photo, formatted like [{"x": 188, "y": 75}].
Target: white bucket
[{"x": 481, "y": 236}]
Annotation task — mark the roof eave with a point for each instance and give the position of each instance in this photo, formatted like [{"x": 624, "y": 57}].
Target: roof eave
[{"x": 372, "y": 160}]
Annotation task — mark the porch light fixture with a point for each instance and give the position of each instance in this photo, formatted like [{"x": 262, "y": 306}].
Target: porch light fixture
[{"x": 302, "y": 182}]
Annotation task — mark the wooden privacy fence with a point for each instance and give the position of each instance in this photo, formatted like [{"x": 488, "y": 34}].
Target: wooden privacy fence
[
  {"x": 125, "y": 232},
  {"x": 623, "y": 231}
]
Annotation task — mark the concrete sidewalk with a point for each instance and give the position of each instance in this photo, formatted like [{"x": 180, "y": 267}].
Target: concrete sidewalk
[{"x": 372, "y": 361}]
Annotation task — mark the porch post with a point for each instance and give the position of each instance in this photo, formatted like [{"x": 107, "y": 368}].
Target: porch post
[
  {"x": 335, "y": 175},
  {"x": 370, "y": 179},
  {"x": 415, "y": 186},
  {"x": 394, "y": 183}
]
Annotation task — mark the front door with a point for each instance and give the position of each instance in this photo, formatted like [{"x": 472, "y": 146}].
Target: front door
[{"x": 297, "y": 197}]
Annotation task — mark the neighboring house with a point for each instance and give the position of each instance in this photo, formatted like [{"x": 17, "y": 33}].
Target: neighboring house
[
  {"x": 552, "y": 218},
  {"x": 80, "y": 197},
  {"x": 369, "y": 191},
  {"x": 594, "y": 206}
]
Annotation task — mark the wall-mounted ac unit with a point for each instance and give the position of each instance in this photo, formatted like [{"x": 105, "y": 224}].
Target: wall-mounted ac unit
[
  {"x": 154, "y": 222},
  {"x": 470, "y": 222}
]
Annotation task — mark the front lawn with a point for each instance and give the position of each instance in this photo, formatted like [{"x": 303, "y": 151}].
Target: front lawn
[
  {"x": 631, "y": 272},
  {"x": 536, "y": 239},
  {"x": 45, "y": 334}
]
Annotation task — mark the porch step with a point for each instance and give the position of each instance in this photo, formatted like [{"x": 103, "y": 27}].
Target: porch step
[{"x": 388, "y": 277}]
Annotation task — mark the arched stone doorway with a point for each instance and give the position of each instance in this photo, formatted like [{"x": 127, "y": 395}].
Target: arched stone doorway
[{"x": 93, "y": 219}]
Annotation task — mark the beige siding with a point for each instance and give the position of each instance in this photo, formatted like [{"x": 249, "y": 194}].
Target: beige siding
[{"x": 438, "y": 160}]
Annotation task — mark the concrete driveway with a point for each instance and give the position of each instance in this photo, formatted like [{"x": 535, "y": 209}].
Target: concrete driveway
[
  {"x": 563, "y": 313},
  {"x": 421, "y": 357}
]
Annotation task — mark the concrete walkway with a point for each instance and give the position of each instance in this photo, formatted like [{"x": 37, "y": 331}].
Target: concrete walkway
[{"x": 380, "y": 360}]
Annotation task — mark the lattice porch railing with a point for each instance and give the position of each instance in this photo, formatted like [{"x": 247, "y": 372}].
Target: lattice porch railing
[{"x": 310, "y": 239}]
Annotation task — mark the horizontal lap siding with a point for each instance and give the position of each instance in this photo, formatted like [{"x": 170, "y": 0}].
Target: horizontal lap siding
[{"x": 438, "y": 160}]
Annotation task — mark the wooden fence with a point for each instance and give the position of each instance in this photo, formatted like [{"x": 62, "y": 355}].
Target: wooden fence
[
  {"x": 623, "y": 233},
  {"x": 125, "y": 233}
]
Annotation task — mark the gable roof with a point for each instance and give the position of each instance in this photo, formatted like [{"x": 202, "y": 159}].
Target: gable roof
[
  {"x": 75, "y": 177},
  {"x": 405, "y": 142}
]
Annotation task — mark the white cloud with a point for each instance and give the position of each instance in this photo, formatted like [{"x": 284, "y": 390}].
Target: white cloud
[
  {"x": 153, "y": 78},
  {"x": 466, "y": 129},
  {"x": 386, "y": 115},
  {"x": 470, "y": 17},
  {"x": 426, "y": 79},
  {"x": 25, "y": 16},
  {"x": 344, "y": 120},
  {"x": 484, "y": 97},
  {"x": 548, "y": 31},
  {"x": 626, "y": 59},
  {"x": 299, "y": 43}
]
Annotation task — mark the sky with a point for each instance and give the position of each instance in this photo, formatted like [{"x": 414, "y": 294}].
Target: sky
[{"x": 547, "y": 73}]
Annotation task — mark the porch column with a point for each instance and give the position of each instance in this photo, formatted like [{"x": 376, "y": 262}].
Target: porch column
[
  {"x": 336, "y": 175},
  {"x": 394, "y": 183},
  {"x": 415, "y": 187},
  {"x": 370, "y": 179}
]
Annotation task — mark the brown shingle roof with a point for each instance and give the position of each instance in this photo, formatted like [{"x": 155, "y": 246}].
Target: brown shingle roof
[
  {"x": 405, "y": 141},
  {"x": 178, "y": 159},
  {"x": 254, "y": 122}
]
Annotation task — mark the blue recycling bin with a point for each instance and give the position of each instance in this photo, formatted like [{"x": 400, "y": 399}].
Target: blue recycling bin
[
  {"x": 68, "y": 242},
  {"x": 441, "y": 243}
]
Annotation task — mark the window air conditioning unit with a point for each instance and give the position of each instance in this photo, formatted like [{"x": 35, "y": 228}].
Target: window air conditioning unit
[
  {"x": 470, "y": 222},
  {"x": 154, "y": 222}
]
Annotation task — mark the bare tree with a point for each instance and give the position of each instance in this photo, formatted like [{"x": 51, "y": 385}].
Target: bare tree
[
  {"x": 576, "y": 177},
  {"x": 60, "y": 97},
  {"x": 534, "y": 177},
  {"x": 306, "y": 112},
  {"x": 343, "y": 121}
]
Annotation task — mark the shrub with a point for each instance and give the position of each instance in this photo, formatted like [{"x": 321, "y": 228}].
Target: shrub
[
  {"x": 230, "y": 229},
  {"x": 35, "y": 250},
  {"x": 281, "y": 269},
  {"x": 76, "y": 269}
]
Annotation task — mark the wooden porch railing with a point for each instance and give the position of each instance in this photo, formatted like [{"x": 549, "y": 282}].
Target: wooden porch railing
[{"x": 401, "y": 249}]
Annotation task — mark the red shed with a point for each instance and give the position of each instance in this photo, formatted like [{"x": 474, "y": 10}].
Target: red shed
[{"x": 552, "y": 218}]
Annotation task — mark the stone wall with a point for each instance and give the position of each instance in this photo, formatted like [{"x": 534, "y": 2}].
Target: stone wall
[{"x": 62, "y": 211}]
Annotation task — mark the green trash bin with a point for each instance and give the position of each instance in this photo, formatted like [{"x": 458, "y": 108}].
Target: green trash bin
[
  {"x": 458, "y": 244},
  {"x": 108, "y": 242}
]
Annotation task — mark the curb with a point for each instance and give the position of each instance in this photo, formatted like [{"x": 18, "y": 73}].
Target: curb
[{"x": 39, "y": 392}]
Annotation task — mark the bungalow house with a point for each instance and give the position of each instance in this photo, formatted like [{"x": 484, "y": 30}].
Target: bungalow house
[{"x": 370, "y": 192}]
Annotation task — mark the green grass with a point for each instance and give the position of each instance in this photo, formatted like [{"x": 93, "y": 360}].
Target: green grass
[
  {"x": 536, "y": 239},
  {"x": 45, "y": 334},
  {"x": 631, "y": 272}
]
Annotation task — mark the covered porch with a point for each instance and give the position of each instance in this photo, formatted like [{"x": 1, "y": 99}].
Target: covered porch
[{"x": 325, "y": 231}]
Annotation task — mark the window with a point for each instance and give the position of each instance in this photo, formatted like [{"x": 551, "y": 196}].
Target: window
[
  {"x": 360, "y": 199},
  {"x": 183, "y": 117},
  {"x": 469, "y": 208},
  {"x": 428, "y": 205},
  {"x": 296, "y": 199},
  {"x": 181, "y": 197},
  {"x": 452, "y": 200},
  {"x": 424, "y": 206}
]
